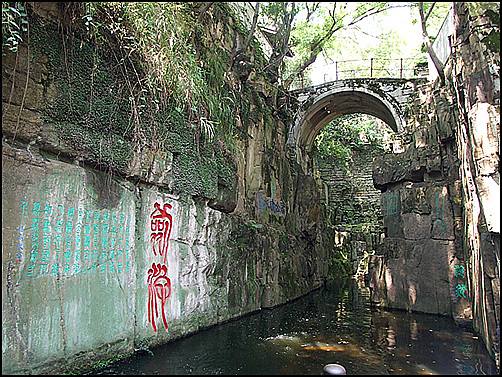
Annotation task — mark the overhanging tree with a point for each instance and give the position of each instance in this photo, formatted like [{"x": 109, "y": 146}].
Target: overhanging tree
[{"x": 307, "y": 29}]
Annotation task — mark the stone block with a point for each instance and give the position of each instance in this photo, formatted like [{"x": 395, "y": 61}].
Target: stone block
[
  {"x": 18, "y": 63},
  {"x": 414, "y": 199},
  {"x": 226, "y": 199},
  {"x": 443, "y": 223},
  {"x": 15, "y": 90},
  {"x": 393, "y": 226},
  {"x": 153, "y": 167},
  {"x": 416, "y": 226},
  {"x": 25, "y": 125},
  {"x": 414, "y": 278}
]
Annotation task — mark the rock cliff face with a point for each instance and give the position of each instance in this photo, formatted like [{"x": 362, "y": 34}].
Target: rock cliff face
[
  {"x": 416, "y": 266},
  {"x": 118, "y": 235},
  {"x": 441, "y": 197},
  {"x": 111, "y": 243}
]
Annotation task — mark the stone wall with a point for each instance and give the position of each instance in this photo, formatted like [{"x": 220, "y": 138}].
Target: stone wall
[
  {"x": 111, "y": 246},
  {"x": 353, "y": 206},
  {"x": 351, "y": 194},
  {"x": 440, "y": 197}
]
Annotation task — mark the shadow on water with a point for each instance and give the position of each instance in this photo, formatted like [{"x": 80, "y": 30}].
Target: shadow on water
[{"x": 334, "y": 324}]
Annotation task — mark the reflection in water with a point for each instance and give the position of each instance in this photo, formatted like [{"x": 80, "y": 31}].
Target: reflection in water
[{"x": 333, "y": 325}]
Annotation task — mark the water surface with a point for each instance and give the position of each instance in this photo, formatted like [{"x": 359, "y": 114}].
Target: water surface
[{"x": 334, "y": 324}]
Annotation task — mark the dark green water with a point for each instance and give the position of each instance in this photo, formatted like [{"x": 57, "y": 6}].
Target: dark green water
[{"x": 331, "y": 325}]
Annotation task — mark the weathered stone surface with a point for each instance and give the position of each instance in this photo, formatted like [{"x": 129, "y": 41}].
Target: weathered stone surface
[
  {"x": 393, "y": 225},
  {"x": 47, "y": 10},
  {"x": 414, "y": 199},
  {"x": 459, "y": 158},
  {"x": 445, "y": 116},
  {"x": 485, "y": 135},
  {"x": 15, "y": 64},
  {"x": 475, "y": 66},
  {"x": 441, "y": 215},
  {"x": 415, "y": 226},
  {"x": 153, "y": 167},
  {"x": 29, "y": 94},
  {"x": 57, "y": 285},
  {"x": 226, "y": 200},
  {"x": 308, "y": 208},
  {"x": 410, "y": 165},
  {"x": 489, "y": 193},
  {"x": 411, "y": 275},
  {"x": 25, "y": 125}
]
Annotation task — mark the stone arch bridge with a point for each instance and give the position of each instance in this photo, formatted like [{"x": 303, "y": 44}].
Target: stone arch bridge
[{"x": 315, "y": 106}]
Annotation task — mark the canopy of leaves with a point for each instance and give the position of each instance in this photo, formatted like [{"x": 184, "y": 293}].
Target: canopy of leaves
[
  {"x": 332, "y": 30},
  {"x": 340, "y": 137},
  {"x": 314, "y": 27}
]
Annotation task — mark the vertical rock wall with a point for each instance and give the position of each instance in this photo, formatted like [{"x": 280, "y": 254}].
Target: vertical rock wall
[
  {"x": 109, "y": 245},
  {"x": 476, "y": 82},
  {"x": 441, "y": 197}
]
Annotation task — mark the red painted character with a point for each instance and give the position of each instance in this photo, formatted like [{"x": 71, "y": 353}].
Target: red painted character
[
  {"x": 161, "y": 225},
  {"x": 159, "y": 288}
]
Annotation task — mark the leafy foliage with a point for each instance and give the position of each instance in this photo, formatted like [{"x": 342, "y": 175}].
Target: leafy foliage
[
  {"x": 181, "y": 73},
  {"x": 314, "y": 29},
  {"x": 336, "y": 141},
  {"x": 140, "y": 78},
  {"x": 436, "y": 18},
  {"x": 14, "y": 24}
]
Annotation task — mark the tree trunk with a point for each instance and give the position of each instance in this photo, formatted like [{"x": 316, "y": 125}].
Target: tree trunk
[{"x": 437, "y": 63}]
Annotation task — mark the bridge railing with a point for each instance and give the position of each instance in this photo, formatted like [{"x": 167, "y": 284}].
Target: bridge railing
[
  {"x": 375, "y": 67},
  {"x": 368, "y": 68}
]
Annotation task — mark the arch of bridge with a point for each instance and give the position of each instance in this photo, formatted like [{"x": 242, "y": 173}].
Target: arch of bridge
[{"x": 336, "y": 102}]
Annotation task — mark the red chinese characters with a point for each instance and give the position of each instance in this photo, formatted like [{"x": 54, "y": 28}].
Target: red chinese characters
[
  {"x": 159, "y": 285},
  {"x": 159, "y": 289},
  {"x": 161, "y": 225}
]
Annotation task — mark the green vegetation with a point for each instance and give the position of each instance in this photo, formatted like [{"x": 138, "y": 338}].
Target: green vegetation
[
  {"x": 14, "y": 24},
  {"x": 335, "y": 142},
  {"x": 307, "y": 31},
  {"x": 142, "y": 77}
]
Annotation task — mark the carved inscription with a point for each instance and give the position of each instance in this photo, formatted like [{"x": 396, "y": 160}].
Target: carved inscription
[
  {"x": 159, "y": 285},
  {"x": 72, "y": 241},
  {"x": 459, "y": 288},
  {"x": 269, "y": 204},
  {"x": 390, "y": 203}
]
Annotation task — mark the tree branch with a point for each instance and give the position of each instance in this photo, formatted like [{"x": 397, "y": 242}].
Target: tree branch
[
  {"x": 437, "y": 63},
  {"x": 372, "y": 12},
  {"x": 249, "y": 37},
  {"x": 253, "y": 27},
  {"x": 310, "y": 12},
  {"x": 203, "y": 10},
  {"x": 429, "y": 12}
]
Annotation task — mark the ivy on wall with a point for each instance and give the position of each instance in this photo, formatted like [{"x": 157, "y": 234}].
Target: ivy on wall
[
  {"x": 127, "y": 82},
  {"x": 334, "y": 149}
]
